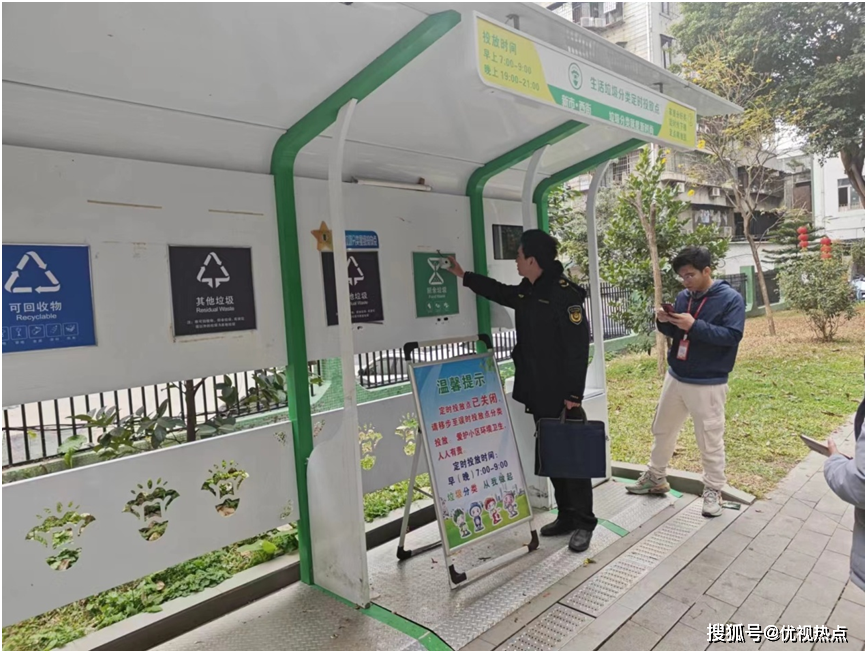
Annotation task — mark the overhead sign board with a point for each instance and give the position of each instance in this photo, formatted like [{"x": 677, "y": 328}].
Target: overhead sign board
[{"x": 525, "y": 66}]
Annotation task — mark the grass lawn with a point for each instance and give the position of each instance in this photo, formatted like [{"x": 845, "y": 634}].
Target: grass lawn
[{"x": 781, "y": 387}]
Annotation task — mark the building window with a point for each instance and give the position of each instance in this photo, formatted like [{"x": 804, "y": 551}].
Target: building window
[
  {"x": 847, "y": 197},
  {"x": 622, "y": 44},
  {"x": 666, "y": 8},
  {"x": 507, "y": 239},
  {"x": 667, "y": 46}
]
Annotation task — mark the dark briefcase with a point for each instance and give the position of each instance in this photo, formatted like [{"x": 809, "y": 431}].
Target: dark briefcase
[{"x": 571, "y": 448}]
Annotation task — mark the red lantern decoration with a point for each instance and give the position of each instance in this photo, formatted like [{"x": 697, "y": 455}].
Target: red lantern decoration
[
  {"x": 825, "y": 248},
  {"x": 804, "y": 244},
  {"x": 803, "y": 238},
  {"x": 802, "y": 230}
]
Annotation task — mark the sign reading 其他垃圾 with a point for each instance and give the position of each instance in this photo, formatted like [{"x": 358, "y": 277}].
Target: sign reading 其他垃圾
[{"x": 212, "y": 289}]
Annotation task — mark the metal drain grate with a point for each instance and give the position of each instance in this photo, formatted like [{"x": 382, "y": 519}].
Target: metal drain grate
[
  {"x": 604, "y": 588},
  {"x": 556, "y": 626}
]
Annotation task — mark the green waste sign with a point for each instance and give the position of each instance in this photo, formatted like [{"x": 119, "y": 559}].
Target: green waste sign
[{"x": 436, "y": 289}]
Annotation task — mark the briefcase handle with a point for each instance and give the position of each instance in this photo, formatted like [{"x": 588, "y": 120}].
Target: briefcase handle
[{"x": 582, "y": 416}]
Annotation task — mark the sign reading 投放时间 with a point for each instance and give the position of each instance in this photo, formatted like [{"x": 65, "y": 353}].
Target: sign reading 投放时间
[{"x": 522, "y": 65}]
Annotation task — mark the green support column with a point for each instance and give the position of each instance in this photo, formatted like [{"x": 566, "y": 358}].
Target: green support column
[
  {"x": 283, "y": 157},
  {"x": 540, "y": 195},
  {"x": 749, "y": 271},
  {"x": 475, "y": 191}
]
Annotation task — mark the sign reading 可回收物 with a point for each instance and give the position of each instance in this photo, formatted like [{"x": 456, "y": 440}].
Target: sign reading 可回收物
[{"x": 47, "y": 297}]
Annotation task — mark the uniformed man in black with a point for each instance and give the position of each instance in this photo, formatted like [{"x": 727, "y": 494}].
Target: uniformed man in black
[{"x": 551, "y": 358}]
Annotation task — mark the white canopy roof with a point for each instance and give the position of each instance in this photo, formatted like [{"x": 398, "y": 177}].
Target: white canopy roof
[{"x": 216, "y": 84}]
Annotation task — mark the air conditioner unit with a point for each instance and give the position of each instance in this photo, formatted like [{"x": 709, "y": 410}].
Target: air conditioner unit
[
  {"x": 591, "y": 22},
  {"x": 715, "y": 192},
  {"x": 681, "y": 187}
]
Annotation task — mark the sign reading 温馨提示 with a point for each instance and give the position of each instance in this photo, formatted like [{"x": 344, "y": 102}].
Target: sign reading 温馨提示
[{"x": 475, "y": 469}]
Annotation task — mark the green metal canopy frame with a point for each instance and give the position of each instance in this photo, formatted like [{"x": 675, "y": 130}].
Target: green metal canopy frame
[
  {"x": 283, "y": 158},
  {"x": 540, "y": 195},
  {"x": 475, "y": 191}
]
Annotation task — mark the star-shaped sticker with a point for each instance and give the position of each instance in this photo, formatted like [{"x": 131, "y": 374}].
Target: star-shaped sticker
[{"x": 324, "y": 239}]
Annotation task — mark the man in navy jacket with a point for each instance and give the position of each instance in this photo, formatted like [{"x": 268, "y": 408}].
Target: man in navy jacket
[{"x": 706, "y": 326}]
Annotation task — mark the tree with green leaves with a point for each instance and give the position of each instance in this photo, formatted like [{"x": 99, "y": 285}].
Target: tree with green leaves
[
  {"x": 645, "y": 234},
  {"x": 568, "y": 219},
  {"x": 820, "y": 289},
  {"x": 787, "y": 236},
  {"x": 742, "y": 150},
  {"x": 812, "y": 53}
]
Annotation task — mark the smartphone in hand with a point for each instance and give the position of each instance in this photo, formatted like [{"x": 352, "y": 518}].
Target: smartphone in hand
[{"x": 668, "y": 308}]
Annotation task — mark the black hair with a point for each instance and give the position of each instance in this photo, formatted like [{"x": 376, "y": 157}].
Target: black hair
[
  {"x": 540, "y": 246},
  {"x": 696, "y": 256}
]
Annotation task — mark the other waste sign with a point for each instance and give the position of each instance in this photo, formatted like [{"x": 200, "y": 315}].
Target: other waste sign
[
  {"x": 212, "y": 289},
  {"x": 47, "y": 297}
]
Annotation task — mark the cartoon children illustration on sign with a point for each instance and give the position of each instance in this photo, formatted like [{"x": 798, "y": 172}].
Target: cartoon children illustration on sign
[
  {"x": 461, "y": 521},
  {"x": 476, "y": 514},
  {"x": 491, "y": 507},
  {"x": 510, "y": 505}
]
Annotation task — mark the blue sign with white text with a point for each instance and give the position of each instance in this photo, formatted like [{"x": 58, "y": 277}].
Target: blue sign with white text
[
  {"x": 362, "y": 240},
  {"x": 47, "y": 297}
]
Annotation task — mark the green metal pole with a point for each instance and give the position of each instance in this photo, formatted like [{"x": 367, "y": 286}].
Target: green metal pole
[
  {"x": 282, "y": 168},
  {"x": 540, "y": 195},
  {"x": 475, "y": 191}
]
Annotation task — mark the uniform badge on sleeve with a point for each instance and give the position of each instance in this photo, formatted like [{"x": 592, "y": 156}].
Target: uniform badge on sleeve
[{"x": 575, "y": 314}]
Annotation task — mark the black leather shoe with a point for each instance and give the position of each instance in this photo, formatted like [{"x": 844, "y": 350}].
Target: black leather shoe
[
  {"x": 557, "y": 527},
  {"x": 580, "y": 540}
]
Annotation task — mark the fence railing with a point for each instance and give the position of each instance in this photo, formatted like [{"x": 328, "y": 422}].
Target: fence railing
[{"x": 36, "y": 432}]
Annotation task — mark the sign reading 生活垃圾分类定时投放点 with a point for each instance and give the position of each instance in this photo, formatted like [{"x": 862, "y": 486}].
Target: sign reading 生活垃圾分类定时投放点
[
  {"x": 517, "y": 63},
  {"x": 475, "y": 468},
  {"x": 47, "y": 297}
]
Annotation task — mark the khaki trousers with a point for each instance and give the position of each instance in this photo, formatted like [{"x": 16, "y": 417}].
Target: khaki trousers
[{"x": 706, "y": 405}]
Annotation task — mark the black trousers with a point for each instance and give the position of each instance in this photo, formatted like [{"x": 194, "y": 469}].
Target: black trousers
[{"x": 574, "y": 497}]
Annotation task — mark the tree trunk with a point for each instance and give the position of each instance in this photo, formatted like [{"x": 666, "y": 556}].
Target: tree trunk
[
  {"x": 853, "y": 163},
  {"x": 760, "y": 275},
  {"x": 190, "y": 409},
  {"x": 657, "y": 298}
]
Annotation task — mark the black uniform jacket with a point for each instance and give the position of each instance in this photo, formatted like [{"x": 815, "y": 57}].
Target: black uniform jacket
[{"x": 553, "y": 347}]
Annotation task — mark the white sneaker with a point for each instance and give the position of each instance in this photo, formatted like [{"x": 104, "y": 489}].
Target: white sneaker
[{"x": 712, "y": 503}]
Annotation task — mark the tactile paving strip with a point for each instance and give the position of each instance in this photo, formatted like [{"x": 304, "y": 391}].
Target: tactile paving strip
[
  {"x": 556, "y": 626},
  {"x": 417, "y": 589},
  {"x": 601, "y": 590}
]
